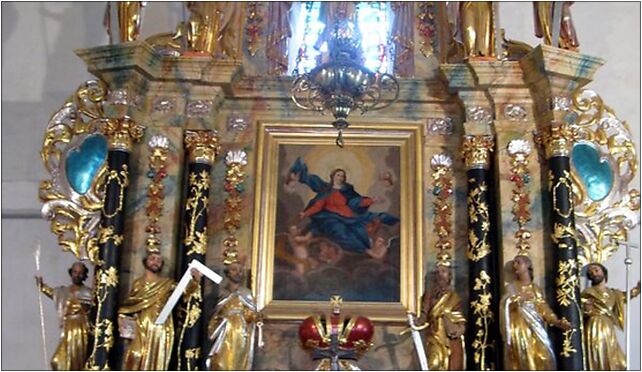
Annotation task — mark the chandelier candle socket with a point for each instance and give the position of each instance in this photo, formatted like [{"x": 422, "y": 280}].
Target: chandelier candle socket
[
  {"x": 519, "y": 150},
  {"x": 234, "y": 179}
]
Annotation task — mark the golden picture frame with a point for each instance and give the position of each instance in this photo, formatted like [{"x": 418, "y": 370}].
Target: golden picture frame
[{"x": 366, "y": 248}]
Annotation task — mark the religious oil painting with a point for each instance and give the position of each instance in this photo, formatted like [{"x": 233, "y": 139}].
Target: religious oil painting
[{"x": 335, "y": 220}]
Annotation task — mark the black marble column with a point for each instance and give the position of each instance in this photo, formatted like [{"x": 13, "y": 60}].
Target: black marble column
[
  {"x": 482, "y": 326},
  {"x": 202, "y": 148}
]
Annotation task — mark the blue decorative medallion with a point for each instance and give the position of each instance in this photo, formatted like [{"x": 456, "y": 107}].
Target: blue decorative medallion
[
  {"x": 596, "y": 175},
  {"x": 84, "y": 162}
]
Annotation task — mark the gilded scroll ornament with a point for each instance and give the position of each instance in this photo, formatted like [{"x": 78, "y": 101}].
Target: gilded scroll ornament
[
  {"x": 478, "y": 245},
  {"x": 158, "y": 149},
  {"x": 442, "y": 176},
  {"x": 105, "y": 327},
  {"x": 122, "y": 179},
  {"x": 234, "y": 186},
  {"x": 604, "y": 150},
  {"x": 74, "y": 153},
  {"x": 202, "y": 145},
  {"x": 519, "y": 150},
  {"x": 561, "y": 186},
  {"x": 476, "y": 151},
  {"x": 567, "y": 281},
  {"x": 196, "y": 205},
  {"x": 484, "y": 317}
]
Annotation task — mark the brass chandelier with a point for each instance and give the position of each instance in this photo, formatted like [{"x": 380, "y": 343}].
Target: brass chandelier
[{"x": 343, "y": 84}]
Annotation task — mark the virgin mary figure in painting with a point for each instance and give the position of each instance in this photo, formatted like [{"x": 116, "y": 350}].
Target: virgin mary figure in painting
[{"x": 338, "y": 212}]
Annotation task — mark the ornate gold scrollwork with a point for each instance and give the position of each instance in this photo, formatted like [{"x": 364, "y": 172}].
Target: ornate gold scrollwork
[
  {"x": 476, "y": 151},
  {"x": 105, "y": 279},
  {"x": 484, "y": 316},
  {"x": 567, "y": 281},
  {"x": 234, "y": 178},
  {"x": 478, "y": 246},
  {"x": 192, "y": 315},
  {"x": 202, "y": 146},
  {"x": 603, "y": 225},
  {"x": 122, "y": 133},
  {"x": 567, "y": 343},
  {"x": 122, "y": 179},
  {"x": 199, "y": 183},
  {"x": 74, "y": 217}
]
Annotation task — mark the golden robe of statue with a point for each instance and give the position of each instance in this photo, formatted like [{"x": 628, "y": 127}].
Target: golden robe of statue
[
  {"x": 214, "y": 27},
  {"x": 152, "y": 345},
  {"x": 129, "y": 20},
  {"x": 73, "y": 306},
  {"x": 232, "y": 329},
  {"x": 523, "y": 318},
  {"x": 605, "y": 312},
  {"x": 444, "y": 336},
  {"x": 477, "y": 28},
  {"x": 544, "y": 12}
]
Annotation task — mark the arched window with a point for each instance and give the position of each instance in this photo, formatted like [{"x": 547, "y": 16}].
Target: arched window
[{"x": 374, "y": 20}]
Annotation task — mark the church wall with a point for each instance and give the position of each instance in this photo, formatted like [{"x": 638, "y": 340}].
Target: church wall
[{"x": 37, "y": 80}]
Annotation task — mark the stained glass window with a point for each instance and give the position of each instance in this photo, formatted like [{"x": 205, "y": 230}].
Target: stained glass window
[{"x": 374, "y": 20}]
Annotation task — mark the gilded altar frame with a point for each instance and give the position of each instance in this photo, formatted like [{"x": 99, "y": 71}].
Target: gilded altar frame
[{"x": 273, "y": 137}]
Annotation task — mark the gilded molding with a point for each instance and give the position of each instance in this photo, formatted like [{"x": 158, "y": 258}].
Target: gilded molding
[
  {"x": 122, "y": 133},
  {"x": 202, "y": 146},
  {"x": 234, "y": 186},
  {"x": 442, "y": 177},
  {"x": 519, "y": 150},
  {"x": 476, "y": 151}
]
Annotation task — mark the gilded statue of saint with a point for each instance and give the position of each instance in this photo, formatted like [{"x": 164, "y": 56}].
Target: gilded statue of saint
[
  {"x": 151, "y": 346},
  {"x": 477, "y": 28},
  {"x": 129, "y": 20},
  {"x": 214, "y": 28},
  {"x": 446, "y": 324},
  {"x": 73, "y": 304},
  {"x": 544, "y": 12},
  {"x": 232, "y": 328},
  {"x": 524, "y": 314},
  {"x": 603, "y": 310}
]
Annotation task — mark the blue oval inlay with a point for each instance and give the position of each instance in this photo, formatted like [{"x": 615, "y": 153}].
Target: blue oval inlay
[
  {"x": 596, "y": 175},
  {"x": 84, "y": 162}
]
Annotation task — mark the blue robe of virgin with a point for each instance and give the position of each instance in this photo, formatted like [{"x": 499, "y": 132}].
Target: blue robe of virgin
[{"x": 349, "y": 233}]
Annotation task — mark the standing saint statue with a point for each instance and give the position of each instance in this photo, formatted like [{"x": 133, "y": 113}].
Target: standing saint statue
[
  {"x": 233, "y": 325},
  {"x": 523, "y": 317},
  {"x": 73, "y": 304},
  {"x": 214, "y": 28},
  {"x": 603, "y": 310},
  {"x": 444, "y": 321},
  {"x": 151, "y": 347},
  {"x": 544, "y": 12},
  {"x": 477, "y": 28}
]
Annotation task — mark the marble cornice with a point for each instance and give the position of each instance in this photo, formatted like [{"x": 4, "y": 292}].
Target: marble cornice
[{"x": 483, "y": 74}]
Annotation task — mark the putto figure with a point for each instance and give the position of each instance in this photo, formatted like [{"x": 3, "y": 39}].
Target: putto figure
[
  {"x": 603, "y": 310},
  {"x": 523, "y": 317},
  {"x": 73, "y": 304},
  {"x": 444, "y": 321},
  {"x": 151, "y": 346},
  {"x": 233, "y": 325}
]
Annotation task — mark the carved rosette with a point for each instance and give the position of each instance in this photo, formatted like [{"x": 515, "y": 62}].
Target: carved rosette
[
  {"x": 476, "y": 151},
  {"x": 202, "y": 146},
  {"x": 234, "y": 186},
  {"x": 519, "y": 150},
  {"x": 442, "y": 177}
]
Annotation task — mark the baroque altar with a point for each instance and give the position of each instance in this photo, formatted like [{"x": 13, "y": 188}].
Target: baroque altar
[{"x": 194, "y": 149}]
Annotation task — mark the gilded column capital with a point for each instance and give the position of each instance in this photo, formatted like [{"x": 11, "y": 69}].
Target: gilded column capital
[
  {"x": 557, "y": 140},
  {"x": 476, "y": 151},
  {"x": 122, "y": 133},
  {"x": 202, "y": 146}
]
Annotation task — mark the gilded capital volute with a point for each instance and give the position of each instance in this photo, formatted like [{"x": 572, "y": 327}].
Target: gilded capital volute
[
  {"x": 122, "y": 133},
  {"x": 202, "y": 146},
  {"x": 557, "y": 140},
  {"x": 476, "y": 151}
]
